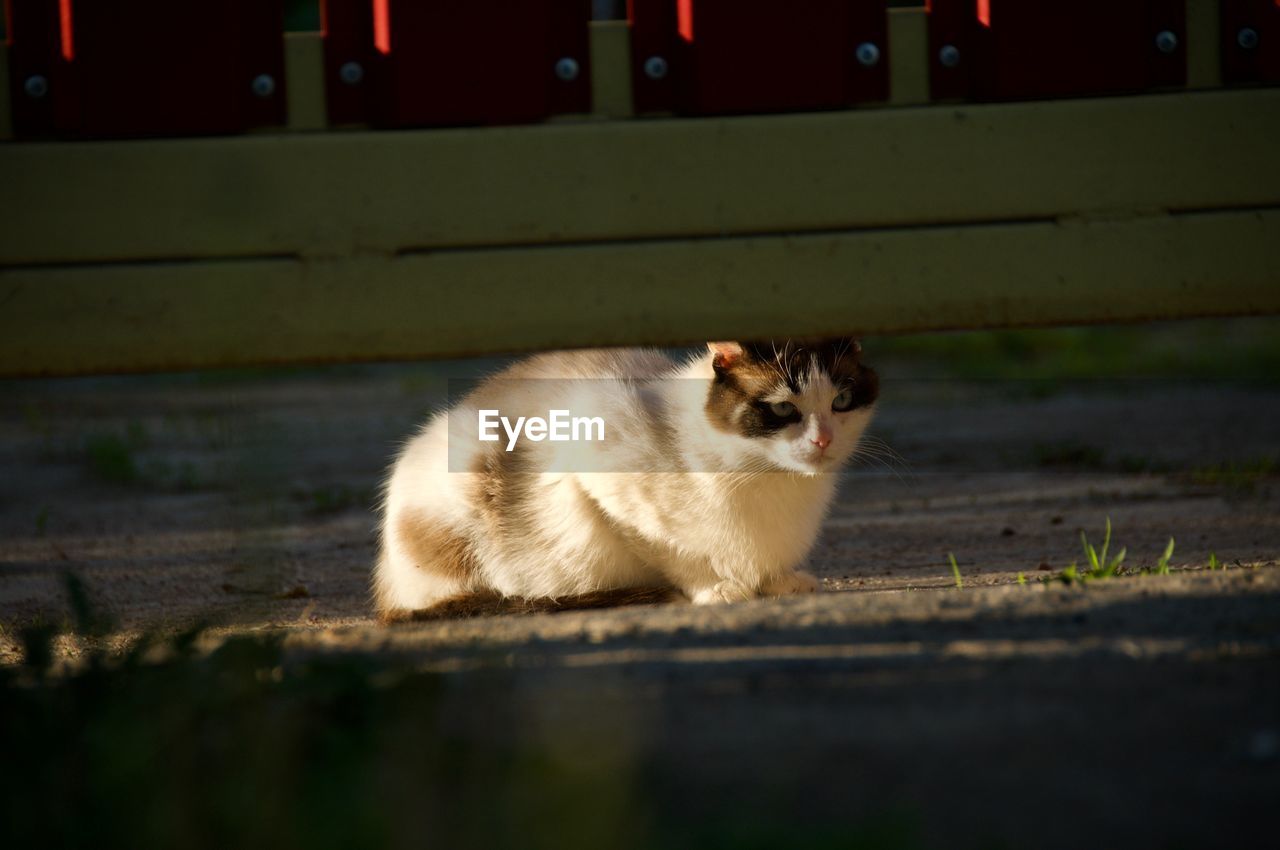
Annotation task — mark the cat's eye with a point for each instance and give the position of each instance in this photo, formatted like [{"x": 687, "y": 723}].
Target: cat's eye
[
  {"x": 782, "y": 409},
  {"x": 843, "y": 402}
]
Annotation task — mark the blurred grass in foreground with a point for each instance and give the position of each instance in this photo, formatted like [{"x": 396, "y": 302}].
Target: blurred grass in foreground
[{"x": 246, "y": 747}]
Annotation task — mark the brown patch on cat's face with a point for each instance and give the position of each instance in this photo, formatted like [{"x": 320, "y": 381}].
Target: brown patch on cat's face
[
  {"x": 748, "y": 373},
  {"x": 434, "y": 548}
]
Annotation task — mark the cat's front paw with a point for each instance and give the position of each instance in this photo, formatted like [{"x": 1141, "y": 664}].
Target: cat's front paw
[
  {"x": 725, "y": 591},
  {"x": 790, "y": 584}
]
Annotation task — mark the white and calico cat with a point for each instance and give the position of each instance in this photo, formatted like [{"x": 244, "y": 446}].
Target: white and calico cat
[{"x": 713, "y": 483}]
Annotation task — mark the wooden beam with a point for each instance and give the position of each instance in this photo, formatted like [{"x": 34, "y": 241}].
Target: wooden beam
[
  {"x": 64, "y": 320},
  {"x": 304, "y": 73},
  {"x": 1204, "y": 50},
  {"x": 908, "y": 57},
  {"x": 343, "y": 194},
  {"x": 611, "y": 69}
]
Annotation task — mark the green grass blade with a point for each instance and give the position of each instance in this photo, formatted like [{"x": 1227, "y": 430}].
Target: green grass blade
[
  {"x": 955, "y": 570},
  {"x": 1090, "y": 554},
  {"x": 1162, "y": 566},
  {"x": 1106, "y": 544}
]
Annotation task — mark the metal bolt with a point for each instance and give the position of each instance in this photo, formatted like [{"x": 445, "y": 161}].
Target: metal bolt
[
  {"x": 655, "y": 67},
  {"x": 1166, "y": 41},
  {"x": 949, "y": 56},
  {"x": 351, "y": 73},
  {"x": 567, "y": 69},
  {"x": 1247, "y": 38},
  {"x": 264, "y": 85},
  {"x": 868, "y": 54},
  {"x": 36, "y": 86}
]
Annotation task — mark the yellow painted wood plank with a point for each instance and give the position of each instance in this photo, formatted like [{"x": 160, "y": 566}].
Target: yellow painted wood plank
[
  {"x": 611, "y": 69},
  {"x": 453, "y": 303},
  {"x": 304, "y": 80},
  {"x": 341, "y": 194},
  {"x": 908, "y": 56}
]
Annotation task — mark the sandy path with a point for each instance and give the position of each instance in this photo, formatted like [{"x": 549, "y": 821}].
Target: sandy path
[{"x": 250, "y": 501}]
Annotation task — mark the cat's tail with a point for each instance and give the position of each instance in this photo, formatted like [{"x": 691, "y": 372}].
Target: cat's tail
[{"x": 487, "y": 603}]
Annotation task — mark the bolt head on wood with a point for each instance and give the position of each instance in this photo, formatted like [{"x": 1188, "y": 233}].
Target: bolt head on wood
[
  {"x": 656, "y": 68},
  {"x": 264, "y": 85},
  {"x": 949, "y": 56},
  {"x": 36, "y": 86},
  {"x": 1166, "y": 41},
  {"x": 567, "y": 69},
  {"x": 868, "y": 54},
  {"x": 351, "y": 73},
  {"x": 1247, "y": 38}
]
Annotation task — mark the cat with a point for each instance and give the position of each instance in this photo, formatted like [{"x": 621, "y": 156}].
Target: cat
[{"x": 711, "y": 484}]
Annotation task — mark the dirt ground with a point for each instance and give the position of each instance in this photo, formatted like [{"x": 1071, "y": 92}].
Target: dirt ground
[{"x": 1141, "y": 712}]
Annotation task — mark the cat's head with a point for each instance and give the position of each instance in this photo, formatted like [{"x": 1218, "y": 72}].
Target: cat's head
[{"x": 800, "y": 405}]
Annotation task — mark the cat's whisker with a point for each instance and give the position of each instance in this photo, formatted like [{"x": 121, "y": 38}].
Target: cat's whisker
[
  {"x": 889, "y": 457},
  {"x": 845, "y": 346},
  {"x": 741, "y": 478},
  {"x": 879, "y": 446},
  {"x": 779, "y": 358},
  {"x": 875, "y": 463},
  {"x": 880, "y": 443},
  {"x": 889, "y": 461}
]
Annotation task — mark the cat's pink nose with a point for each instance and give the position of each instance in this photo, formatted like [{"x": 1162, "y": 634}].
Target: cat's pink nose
[{"x": 822, "y": 440}]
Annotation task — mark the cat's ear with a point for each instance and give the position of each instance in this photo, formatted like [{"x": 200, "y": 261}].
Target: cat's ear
[{"x": 725, "y": 355}]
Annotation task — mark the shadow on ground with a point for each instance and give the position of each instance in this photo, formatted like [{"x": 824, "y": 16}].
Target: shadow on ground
[{"x": 1142, "y": 713}]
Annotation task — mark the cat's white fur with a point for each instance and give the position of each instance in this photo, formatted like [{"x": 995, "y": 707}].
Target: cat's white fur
[{"x": 736, "y": 523}]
